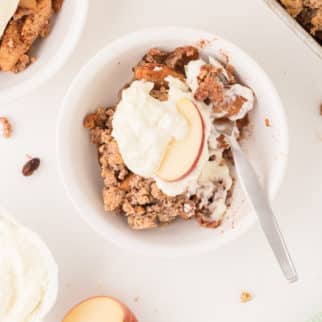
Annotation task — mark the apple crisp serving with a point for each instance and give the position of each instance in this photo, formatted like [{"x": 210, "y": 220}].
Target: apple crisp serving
[
  {"x": 307, "y": 13},
  {"x": 30, "y": 22},
  {"x": 160, "y": 155}
]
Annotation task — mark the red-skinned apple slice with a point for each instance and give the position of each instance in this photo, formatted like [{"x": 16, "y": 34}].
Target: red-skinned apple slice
[
  {"x": 100, "y": 309},
  {"x": 182, "y": 156}
]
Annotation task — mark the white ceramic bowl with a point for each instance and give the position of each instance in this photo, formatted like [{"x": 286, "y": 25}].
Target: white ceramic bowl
[
  {"x": 51, "y": 52},
  {"x": 97, "y": 85},
  {"x": 52, "y": 289}
]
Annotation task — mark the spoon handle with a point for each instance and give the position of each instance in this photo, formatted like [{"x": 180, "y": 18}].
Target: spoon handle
[{"x": 260, "y": 203}]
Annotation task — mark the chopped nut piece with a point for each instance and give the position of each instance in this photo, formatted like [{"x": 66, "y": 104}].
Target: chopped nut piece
[
  {"x": 30, "y": 167},
  {"x": 155, "y": 56},
  {"x": 90, "y": 121},
  {"x": 267, "y": 122},
  {"x": 210, "y": 85},
  {"x": 245, "y": 297},
  {"x": 57, "y": 4},
  {"x": 22, "y": 12},
  {"x": 155, "y": 73},
  {"x": 230, "y": 108},
  {"x": 6, "y": 127},
  {"x": 206, "y": 221},
  {"x": 294, "y": 7},
  {"x": 180, "y": 57},
  {"x": 28, "y": 4},
  {"x": 321, "y": 109}
]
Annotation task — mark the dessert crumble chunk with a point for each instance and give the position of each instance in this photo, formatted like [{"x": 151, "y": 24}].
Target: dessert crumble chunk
[
  {"x": 245, "y": 297},
  {"x": 6, "y": 127},
  {"x": 308, "y": 13},
  {"x": 140, "y": 200},
  {"x": 30, "y": 23}
]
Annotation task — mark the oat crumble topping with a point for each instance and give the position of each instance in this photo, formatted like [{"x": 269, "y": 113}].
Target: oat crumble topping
[
  {"x": 139, "y": 199},
  {"x": 308, "y": 13},
  {"x": 30, "y": 23}
]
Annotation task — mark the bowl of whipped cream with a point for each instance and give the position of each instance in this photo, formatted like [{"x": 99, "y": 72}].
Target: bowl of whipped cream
[
  {"x": 49, "y": 51},
  {"x": 98, "y": 84},
  {"x": 28, "y": 273}
]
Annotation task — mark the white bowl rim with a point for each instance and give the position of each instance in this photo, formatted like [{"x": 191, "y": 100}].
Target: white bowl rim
[
  {"x": 160, "y": 251},
  {"x": 53, "y": 283},
  {"x": 61, "y": 57}
]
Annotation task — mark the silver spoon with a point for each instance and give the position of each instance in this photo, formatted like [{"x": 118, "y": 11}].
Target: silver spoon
[{"x": 259, "y": 201}]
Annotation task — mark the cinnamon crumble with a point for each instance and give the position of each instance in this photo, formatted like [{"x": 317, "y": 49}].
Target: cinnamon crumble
[
  {"x": 245, "y": 297},
  {"x": 30, "y": 22},
  {"x": 147, "y": 201},
  {"x": 307, "y": 13}
]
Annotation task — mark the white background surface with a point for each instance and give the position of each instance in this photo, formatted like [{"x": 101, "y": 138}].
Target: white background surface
[{"x": 201, "y": 288}]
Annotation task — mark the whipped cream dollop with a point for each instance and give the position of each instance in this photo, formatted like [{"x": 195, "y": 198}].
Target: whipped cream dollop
[
  {"x": 28, "y": 274},
  {"x": 144, "y": 126},
  {"x": 7, "y": 10}
]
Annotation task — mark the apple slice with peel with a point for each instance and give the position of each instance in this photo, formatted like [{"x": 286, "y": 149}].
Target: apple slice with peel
[
  {"x": 182, "y": 156},
  {"x": 100, "y": 309}
]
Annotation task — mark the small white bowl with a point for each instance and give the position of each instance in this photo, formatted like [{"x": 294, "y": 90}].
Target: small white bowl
[
  {"x": 52, "y": 289},
  {"x": 98, "y": 83},
  {"x": 51, "y": 52}
]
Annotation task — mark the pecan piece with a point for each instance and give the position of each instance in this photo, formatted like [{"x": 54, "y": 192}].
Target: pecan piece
[
  {"x": 30, "y": 167},
  {"x": 155, "y": 73},
  {"x": 57, "y": 4}
]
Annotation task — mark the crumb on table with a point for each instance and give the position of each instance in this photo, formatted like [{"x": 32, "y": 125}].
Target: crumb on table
[
  {"x": 6, "y": 127},
  {"x": 245, "y": 297}
]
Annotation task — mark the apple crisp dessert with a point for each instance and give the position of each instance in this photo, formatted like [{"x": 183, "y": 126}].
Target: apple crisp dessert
[
  {"x": 22, "y": 23},
  {"x": 160, "y": 155},
  {"x": 307, "y": 13}
]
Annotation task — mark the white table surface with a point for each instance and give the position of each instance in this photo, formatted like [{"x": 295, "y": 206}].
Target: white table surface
[{"x": 201, "y": 288}]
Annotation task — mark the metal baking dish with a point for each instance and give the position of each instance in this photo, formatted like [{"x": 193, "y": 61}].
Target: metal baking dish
[{"x": 295, "y": 27}]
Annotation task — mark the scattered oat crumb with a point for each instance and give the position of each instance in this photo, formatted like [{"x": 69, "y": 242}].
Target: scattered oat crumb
[
  {"x": 267, "y": 122},
  {"x": 321, "y": 109},
  {"x": 136, "y": 299},
  {"x": 245, "y": 297},
  {"x": 6, "y": 127}
]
